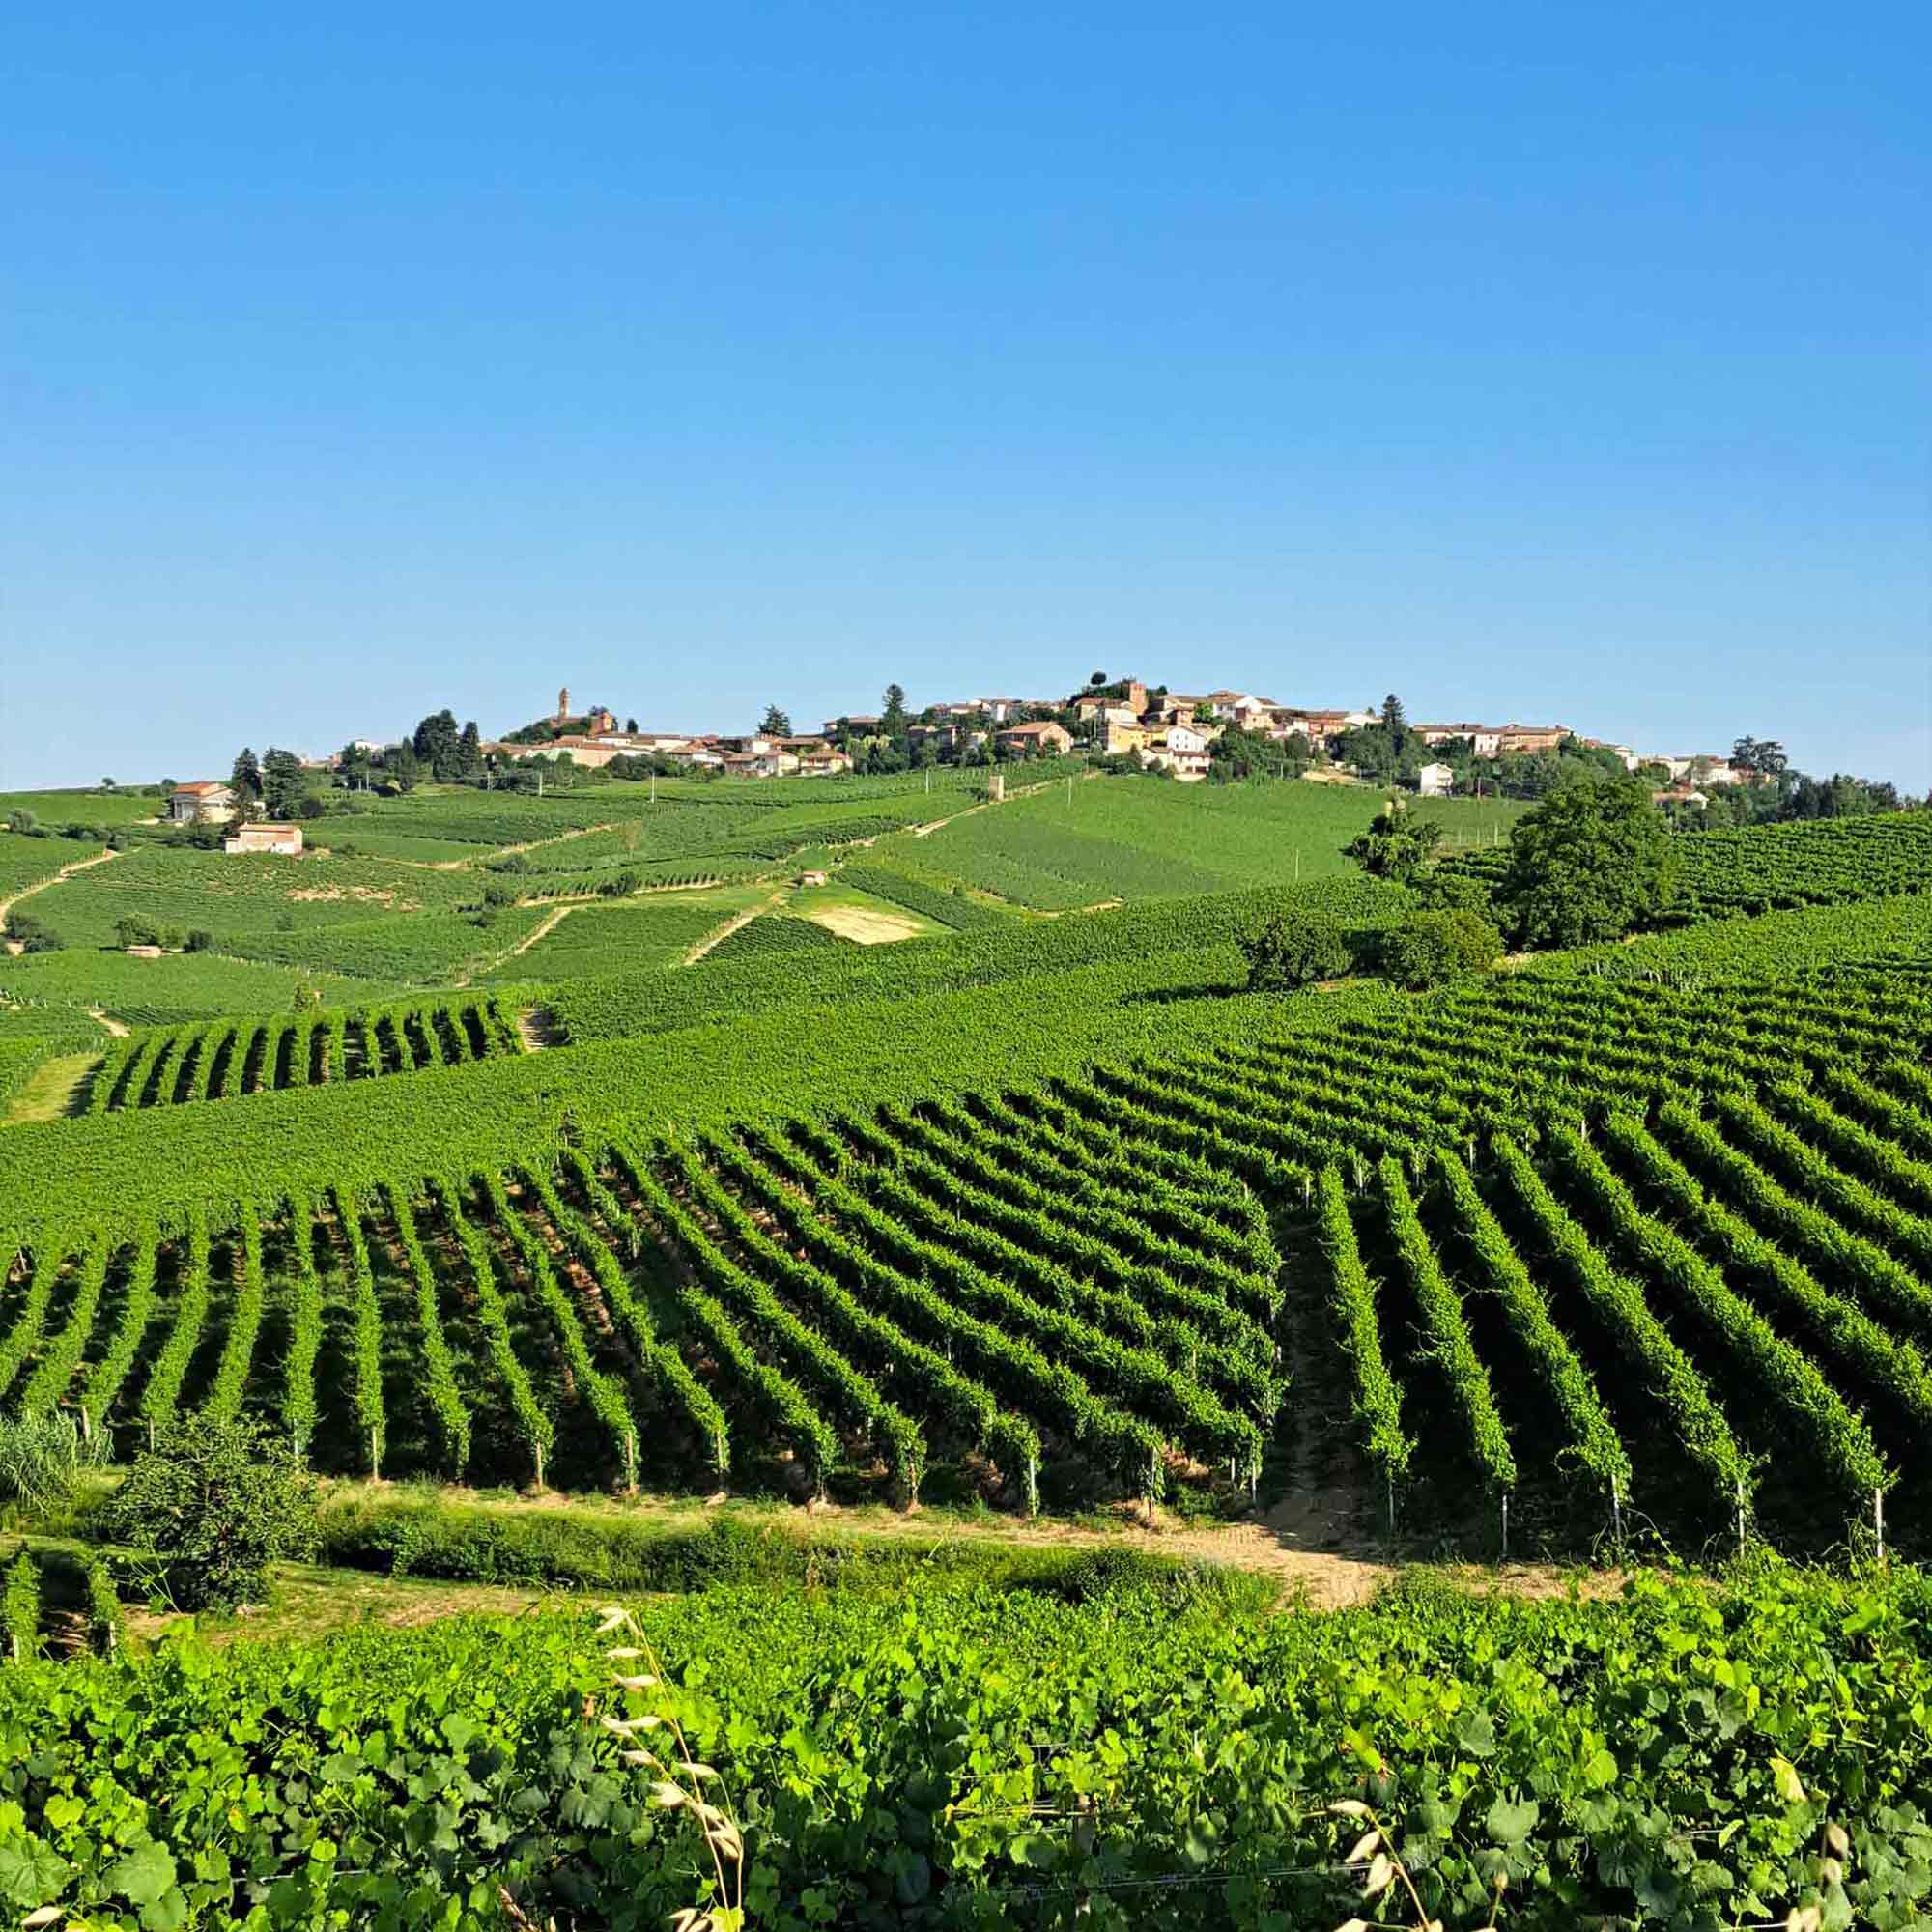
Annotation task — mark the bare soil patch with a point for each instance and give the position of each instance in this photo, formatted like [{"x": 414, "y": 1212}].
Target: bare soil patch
[{"x": 864, "y": 926}]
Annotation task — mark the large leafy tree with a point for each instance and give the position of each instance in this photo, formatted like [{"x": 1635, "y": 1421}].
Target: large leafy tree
[
  {"x": 284, "y": 782},
  {"x": 1764, "y": 756},
  {"x": 437, "y": 744},
  {"x": 244, "y": 777},
  {"x": 1592, "y": 860},
  {"x": 1295, "y": 948},
  {"x": 893, "y": 718},
  {"x": 1395, "y": 845},
  {"x": 777, "y": 723}
]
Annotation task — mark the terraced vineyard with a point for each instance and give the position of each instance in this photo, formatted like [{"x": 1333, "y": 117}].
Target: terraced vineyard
[
  {"x": 1379, "y": 1262},
  {"x": 223, "y": 1059}
]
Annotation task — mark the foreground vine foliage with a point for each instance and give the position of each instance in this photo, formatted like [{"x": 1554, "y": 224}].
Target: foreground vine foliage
[{"x": 1688, "y": 1754}]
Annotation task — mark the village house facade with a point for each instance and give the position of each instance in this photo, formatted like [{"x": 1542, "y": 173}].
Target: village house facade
[{"x": 201, "y": 802}]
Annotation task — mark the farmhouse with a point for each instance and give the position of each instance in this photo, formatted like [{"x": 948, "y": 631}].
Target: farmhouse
[
  {"x": 286, "y": 839},
  {"x": 1435, "y": 781},
  {"x": 203, "y": 802}
]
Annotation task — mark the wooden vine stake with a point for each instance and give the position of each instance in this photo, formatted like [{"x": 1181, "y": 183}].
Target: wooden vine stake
[
  {"x": 1506, "y": 1526},
  {"x": 1878, "y": 1520}
]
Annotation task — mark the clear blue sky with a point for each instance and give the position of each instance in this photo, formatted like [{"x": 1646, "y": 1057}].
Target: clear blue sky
[{"x": 1540, "y": 362}]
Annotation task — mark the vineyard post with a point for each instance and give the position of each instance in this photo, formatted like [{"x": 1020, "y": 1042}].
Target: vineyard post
[
  {"x": 1617, "y": 1513},
  {"x": 1506, "y": 1526},
  {"x": 1878, "y": 1520},
  {"x": 1741, "y": 1515},
  {"x": 1391, "y": 1506}
]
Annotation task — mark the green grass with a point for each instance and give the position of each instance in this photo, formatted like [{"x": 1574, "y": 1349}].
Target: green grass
[
  {"x": 105, "y": 809},
  {"x": 1136, "y": 838},
  {"x": 643, "y": 935},
  {"x": 225, "y": 894}
]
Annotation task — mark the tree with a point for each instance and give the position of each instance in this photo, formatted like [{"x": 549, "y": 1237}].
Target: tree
[
  {"x": 777, "y": 723},
  {"x": 283, "y": 783},
  {"x": 352, "y": 765},
  {"x": 1395, "y": 722},
  {"x": 1292, "y": 949},
  {"x": 470, "y": 751},
  {"x": 1762, "y": 758},
  {"x": 1589, "y": 863},
  {"x": 1099, "y": 678},
  {"x": 893, "y": 718},
  {"x": 436, "y": 743},
  {"x": 631, "y": 726},
  {"x": 245, "y": 779},
  {"x": 213, "y": 1504},
  {"x": 403, "y": 767},
  {"x": 107, "y": 785},
  {"x": 25, "y": 823},
  {"x": 1395, "y": 846}
]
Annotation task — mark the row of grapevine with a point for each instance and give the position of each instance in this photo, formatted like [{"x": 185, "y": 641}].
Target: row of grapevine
[{"x": 222, "y": 1058}]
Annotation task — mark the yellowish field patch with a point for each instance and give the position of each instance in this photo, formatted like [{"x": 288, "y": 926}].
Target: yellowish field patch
[{"x": 864, "y": 926}]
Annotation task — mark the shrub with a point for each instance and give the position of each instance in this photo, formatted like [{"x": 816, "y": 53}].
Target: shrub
[
  {"x": 1294, "y": 949},
  {"x": 213, "y": 1504},
  {"x": 132, "y": 929},
  {"x": 200, "y": 940},
  {"x": 1433, "y": 947},
  {"x": 30, "y": 934},
  {"x": 25, "y": 824}
]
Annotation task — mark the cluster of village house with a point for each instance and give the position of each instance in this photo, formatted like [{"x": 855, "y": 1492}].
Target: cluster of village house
[{"x": 1173, "y": 730}]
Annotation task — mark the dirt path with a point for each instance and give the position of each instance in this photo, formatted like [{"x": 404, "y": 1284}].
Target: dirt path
[
  {"x": 1332, "y": 1577},
  {"x": 117, "y": 1028},
  {"x": 549, "y": 923},
  {"x": 536, "y": 1029},
  {"x": 731, "y": 925},
  {"x": 100, "y": 858},
  {"x": 504, "y": 851},
  {"x": 986, "y": 804}
]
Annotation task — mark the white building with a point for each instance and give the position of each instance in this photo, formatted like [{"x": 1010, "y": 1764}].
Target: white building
[{"x": 1435, "y": 781}]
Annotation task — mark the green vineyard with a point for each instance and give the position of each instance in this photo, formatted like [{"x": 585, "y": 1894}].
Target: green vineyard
[
  {"x": 226, "y": 1059},
  {"x": 1765, "y": 868},
  {"x": 1551, "y": 1258}
]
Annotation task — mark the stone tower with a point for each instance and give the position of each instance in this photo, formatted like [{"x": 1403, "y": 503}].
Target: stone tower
[{"x": 563, "y": 704}]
